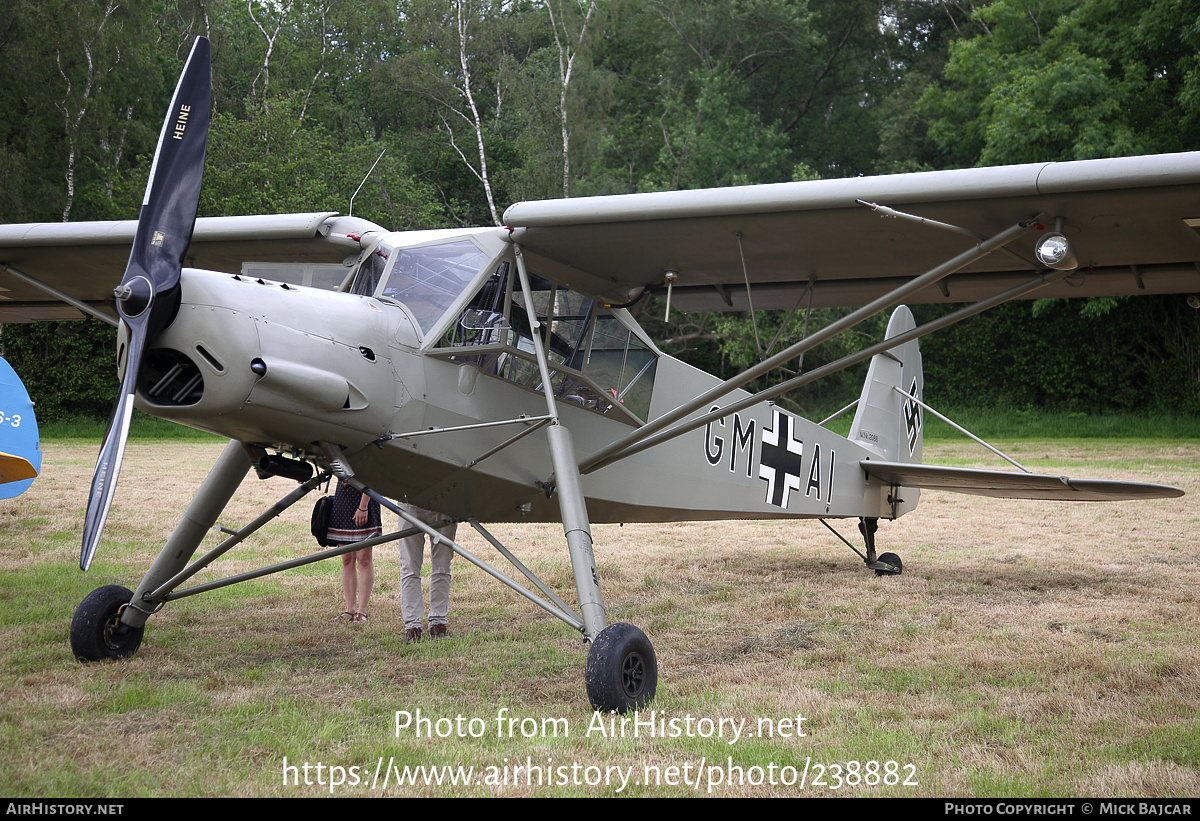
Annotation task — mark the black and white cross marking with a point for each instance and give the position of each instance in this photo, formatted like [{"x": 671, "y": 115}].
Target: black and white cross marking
[{"x": 780, "y": 458}]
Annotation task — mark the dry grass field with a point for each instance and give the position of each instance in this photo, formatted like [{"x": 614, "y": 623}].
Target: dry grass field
[{"x": 1029, "y": 649}]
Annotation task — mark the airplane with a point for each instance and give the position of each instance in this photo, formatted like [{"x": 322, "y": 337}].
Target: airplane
[
  {"x": 496, "y": 374},
  {"x": 20, "y": 451}
]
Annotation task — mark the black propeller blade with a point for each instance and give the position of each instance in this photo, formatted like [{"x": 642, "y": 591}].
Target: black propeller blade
[{"x": 148, "y": 296}]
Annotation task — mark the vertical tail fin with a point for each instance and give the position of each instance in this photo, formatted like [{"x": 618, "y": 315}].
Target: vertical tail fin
[{"x": 886, "y": 421}]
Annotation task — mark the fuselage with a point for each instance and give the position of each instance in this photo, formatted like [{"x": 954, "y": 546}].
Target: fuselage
[{"x": 430, "y": 408}]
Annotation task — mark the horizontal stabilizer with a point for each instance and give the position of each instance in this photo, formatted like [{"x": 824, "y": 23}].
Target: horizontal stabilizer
[
  {"x": 15, "y": 468},
  {"x": 1007, "y": 484}
]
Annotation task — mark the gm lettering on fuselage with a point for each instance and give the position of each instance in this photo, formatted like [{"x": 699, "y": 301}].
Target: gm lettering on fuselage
[{"x": 777, "y": 457}]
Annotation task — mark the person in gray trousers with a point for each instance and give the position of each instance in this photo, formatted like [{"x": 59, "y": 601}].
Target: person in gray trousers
[{"x": 412, "y": 552}]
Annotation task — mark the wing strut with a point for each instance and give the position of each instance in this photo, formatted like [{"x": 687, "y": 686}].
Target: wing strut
[
  {"x": 962, "y": 430},
  {"x": 806, "y": 293},
  {"x": 749, "y": 296},
  {"x": 637, "y": 441},
  {"x": 571, "y": 502},
  {"x": 78, "y": 304},
  {"x": 832, "y": 367}
]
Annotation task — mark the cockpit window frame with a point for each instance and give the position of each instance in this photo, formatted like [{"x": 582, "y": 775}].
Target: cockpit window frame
[
  {"x": 510, "y": 357},
  {"x": 459, "y": 305},
  {"x": 393, "y": 245}
]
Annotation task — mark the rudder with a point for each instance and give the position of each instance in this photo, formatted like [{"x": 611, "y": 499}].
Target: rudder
[{"x": 888, "y": 422}]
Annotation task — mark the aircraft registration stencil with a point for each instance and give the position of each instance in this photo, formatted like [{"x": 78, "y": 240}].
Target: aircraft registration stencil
[{"x": 742, "y": 442}]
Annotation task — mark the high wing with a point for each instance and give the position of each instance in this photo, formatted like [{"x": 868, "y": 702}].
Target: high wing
[
  {"x": 1007, "y": 484},
  {"x": 1133, "y": 221},
  {"x": 84, "y": 261}
]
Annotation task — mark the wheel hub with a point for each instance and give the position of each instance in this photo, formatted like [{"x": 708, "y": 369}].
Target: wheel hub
[
  {"x": 115, "y": 632},
  {"x": 633, "y": 675}
]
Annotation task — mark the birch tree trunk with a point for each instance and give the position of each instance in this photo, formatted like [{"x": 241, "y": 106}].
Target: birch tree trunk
[
  {"x": 568, "y": 49},
  {"x": 78, "y": 97},
  {"x": 468, "y": 95}
]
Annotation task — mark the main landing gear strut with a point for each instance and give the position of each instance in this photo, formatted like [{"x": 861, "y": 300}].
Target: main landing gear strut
[{"x": 621, "y": 672}]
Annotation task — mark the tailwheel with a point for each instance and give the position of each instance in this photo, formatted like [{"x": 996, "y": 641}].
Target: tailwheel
[
  {"x": 895, "y": 566},
  {"x": 622, "y": 672},
  {"x": 887, "y": 564},
  {"x": 96, "y": 628}
]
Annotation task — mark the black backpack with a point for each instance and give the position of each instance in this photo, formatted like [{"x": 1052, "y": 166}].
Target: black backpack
[{"x": 322, "y": 510}]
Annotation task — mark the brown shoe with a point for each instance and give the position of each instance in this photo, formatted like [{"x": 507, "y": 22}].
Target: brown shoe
[
  {"x": 412, "y": 635},
  {"x": 438, "y": 631}
]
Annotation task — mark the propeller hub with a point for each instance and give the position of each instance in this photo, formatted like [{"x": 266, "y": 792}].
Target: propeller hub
[{"x": 134, "y": 296}]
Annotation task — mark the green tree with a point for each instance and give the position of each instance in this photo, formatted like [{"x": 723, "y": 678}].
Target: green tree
[
  {"x": 920, "y": 34},
  {"x": 264, "y": 164},
  {"x": 1070, "y": 79},
  {"x": 460, "y": 57},
  {"x": 711, "y": 138},
  {"x": 86, "y": 118},
  {"x": 1144, "y": 356},
  {"x": 69, "y": 368},
  {"x": 715, "y": 93},
  {"x": 570, "y": 24}
]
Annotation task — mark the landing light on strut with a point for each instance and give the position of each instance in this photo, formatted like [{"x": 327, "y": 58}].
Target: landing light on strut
[{"x": 1055, "y": 251}]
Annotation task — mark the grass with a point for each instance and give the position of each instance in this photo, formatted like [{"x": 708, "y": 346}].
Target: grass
[
  {"x": 1006, "y": 423},
  {"x": 1028, "y": 650},
  {"x": 1011, "y": 424},
  {"x": 141, "y": 428}
]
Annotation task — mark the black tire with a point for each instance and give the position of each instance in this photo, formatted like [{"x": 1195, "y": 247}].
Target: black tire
[
  {"x": 622, "y": 672},
  {"x": 96, "y": 629},
  {"x": 894, "y": 561}
]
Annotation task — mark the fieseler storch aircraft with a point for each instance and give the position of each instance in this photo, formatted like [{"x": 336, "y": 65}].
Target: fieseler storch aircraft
[{"x": 497, "y": 375}]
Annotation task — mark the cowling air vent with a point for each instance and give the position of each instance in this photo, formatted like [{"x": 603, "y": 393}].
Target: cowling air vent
[{"x": 168, "y": 377}]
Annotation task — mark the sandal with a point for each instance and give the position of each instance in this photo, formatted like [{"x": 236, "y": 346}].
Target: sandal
[
  {"x": 359, "y": 618},
  {"x": 349, "y": 615}
]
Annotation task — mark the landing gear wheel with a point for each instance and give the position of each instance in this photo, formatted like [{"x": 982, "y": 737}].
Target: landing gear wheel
[
  {"x": 622, "y": 672},
  {"x": 96, "y": 628},
  {"x": 894, "y": 561}
]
